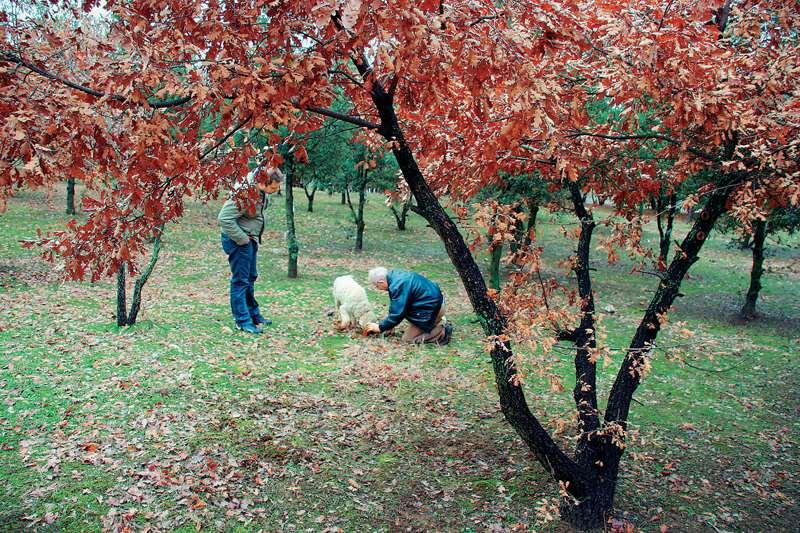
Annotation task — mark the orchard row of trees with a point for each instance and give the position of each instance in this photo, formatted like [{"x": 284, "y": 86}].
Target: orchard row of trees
[{"x": 627, "y": 101}]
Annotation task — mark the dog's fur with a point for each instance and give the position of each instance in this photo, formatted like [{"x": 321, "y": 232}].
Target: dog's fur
[{"x": 351, "y": 303}]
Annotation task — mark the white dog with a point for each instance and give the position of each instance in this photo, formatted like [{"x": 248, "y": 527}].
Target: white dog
[{"x": 351, "y": 302}]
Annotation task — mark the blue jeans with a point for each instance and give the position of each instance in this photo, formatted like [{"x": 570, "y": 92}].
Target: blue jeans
[{"x": 243, "y": 276}]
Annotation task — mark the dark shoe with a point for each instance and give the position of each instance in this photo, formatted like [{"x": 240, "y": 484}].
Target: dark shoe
[
  {"x": 261, "y": 320},
  {"x": 249, "y": 328},
  {"x": 448, "y": 332}
]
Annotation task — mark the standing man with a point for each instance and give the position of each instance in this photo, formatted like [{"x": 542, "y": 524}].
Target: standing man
[
  {"x": 241, "y": 235},
  {"x": 415, "y": 298}
]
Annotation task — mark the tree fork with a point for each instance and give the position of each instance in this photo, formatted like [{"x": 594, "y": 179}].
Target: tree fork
[{"x": 512, "y": 400}]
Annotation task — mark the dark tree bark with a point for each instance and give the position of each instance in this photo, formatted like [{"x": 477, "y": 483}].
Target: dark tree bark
[
  {"x": 71, "y": 196},
  {"x": 759, "y": 235},
  {"x": 585, "y": 391},
  {"x": 122, "y": 306},
  {"x": 291, "y": 237},
  {"x": 344, "y": 196}
]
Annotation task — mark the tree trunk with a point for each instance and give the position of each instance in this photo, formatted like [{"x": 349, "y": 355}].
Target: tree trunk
[
  {"x": 585, "y": 391},
  {"x": 136, "y": 298},
  {"x": 71, "y": 196},
  {"x": 358, "y": 213},
  {"x": 592, "y": 512},
  {"x": 344, "y": 196},
  {"x": 122, "y": 306},
  {"x": 310, "y": 197},
  {"x": 759, "y": 235},
  {"x": 291, "y": 238},
  {"x": 362, "y": 200},
  {"x": 401, "y": 217},
  {"x": 496, "y": 253},
  {"x": 665, "y": 217},
  {"x": 533, "y": 212},
  {"x": 512, "y": 400},
  {"x": 630, "y": 372}
]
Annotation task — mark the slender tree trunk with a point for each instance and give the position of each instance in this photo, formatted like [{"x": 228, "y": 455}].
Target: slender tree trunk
[
  {"x": 643, "y": 342},
  {"x": 588, "y": 511},
  {"x": 136, "y": 298},
  {"x": 362, "y": 200},
  {"x": 310, "y": 197},
  {"x": 122, "y": 306},
  {"x": 533, "y": 212},
  {"x": 344, "y": 196},
  {"x": 291, "y": 237},
  {"x": 401, "y": 217},
  {"x": 585, "y": 391},
  {"x": 71, "y": 196},
  {"x": 665, "y": 217},
  {"x": 358, "y": 213},
  {"x": 495, "y": 255},
  {"x": 519, "y": 230},
  {"x": 759, "y": 235}
]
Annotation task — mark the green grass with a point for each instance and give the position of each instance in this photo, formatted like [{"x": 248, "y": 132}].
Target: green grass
[{"x": 179, "y": 422}]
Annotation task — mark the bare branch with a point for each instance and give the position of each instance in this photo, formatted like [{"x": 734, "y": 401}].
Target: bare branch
[
  {"x": 644, "y": 136},
  {"x": 154, "y": 103},
  {"x": 343, "y": 117},
  {"x": 226, "y": 136}
]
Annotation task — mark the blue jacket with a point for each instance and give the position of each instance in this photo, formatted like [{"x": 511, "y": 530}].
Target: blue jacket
[{"x": 413, "y": 297}]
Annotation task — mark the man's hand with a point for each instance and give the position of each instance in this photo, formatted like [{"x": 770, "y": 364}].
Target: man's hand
[{"x": 372, "y": 327}]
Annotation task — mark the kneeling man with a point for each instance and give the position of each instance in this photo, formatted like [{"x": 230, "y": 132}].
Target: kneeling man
[{"x": 415, "y": 298}]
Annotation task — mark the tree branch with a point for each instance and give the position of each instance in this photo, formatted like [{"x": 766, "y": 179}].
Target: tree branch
[
  {"x": 155, "y": 104},
  {"x": 343, "y": 117},
  {"x": 645, "y": 136},
  {"x": 226, "y": 137}
]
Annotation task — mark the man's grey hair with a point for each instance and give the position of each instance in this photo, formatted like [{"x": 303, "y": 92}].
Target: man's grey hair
[{"x": 377, "y": 274}]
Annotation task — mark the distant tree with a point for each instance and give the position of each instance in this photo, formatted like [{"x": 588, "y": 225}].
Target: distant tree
[
  {"x": 70, "y": 196},
  {"x": 779, "y": 220},
  {"x": 513, "y": 206},
  {"x": 400, "y": 201},
  {"x": 372, "y": 168}
]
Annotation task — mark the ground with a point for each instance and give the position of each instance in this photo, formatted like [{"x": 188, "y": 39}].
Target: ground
[{"x": 179, "y": 422}]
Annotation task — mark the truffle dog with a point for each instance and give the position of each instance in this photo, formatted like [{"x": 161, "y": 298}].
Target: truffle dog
[{"x": 351, "y": 303}]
